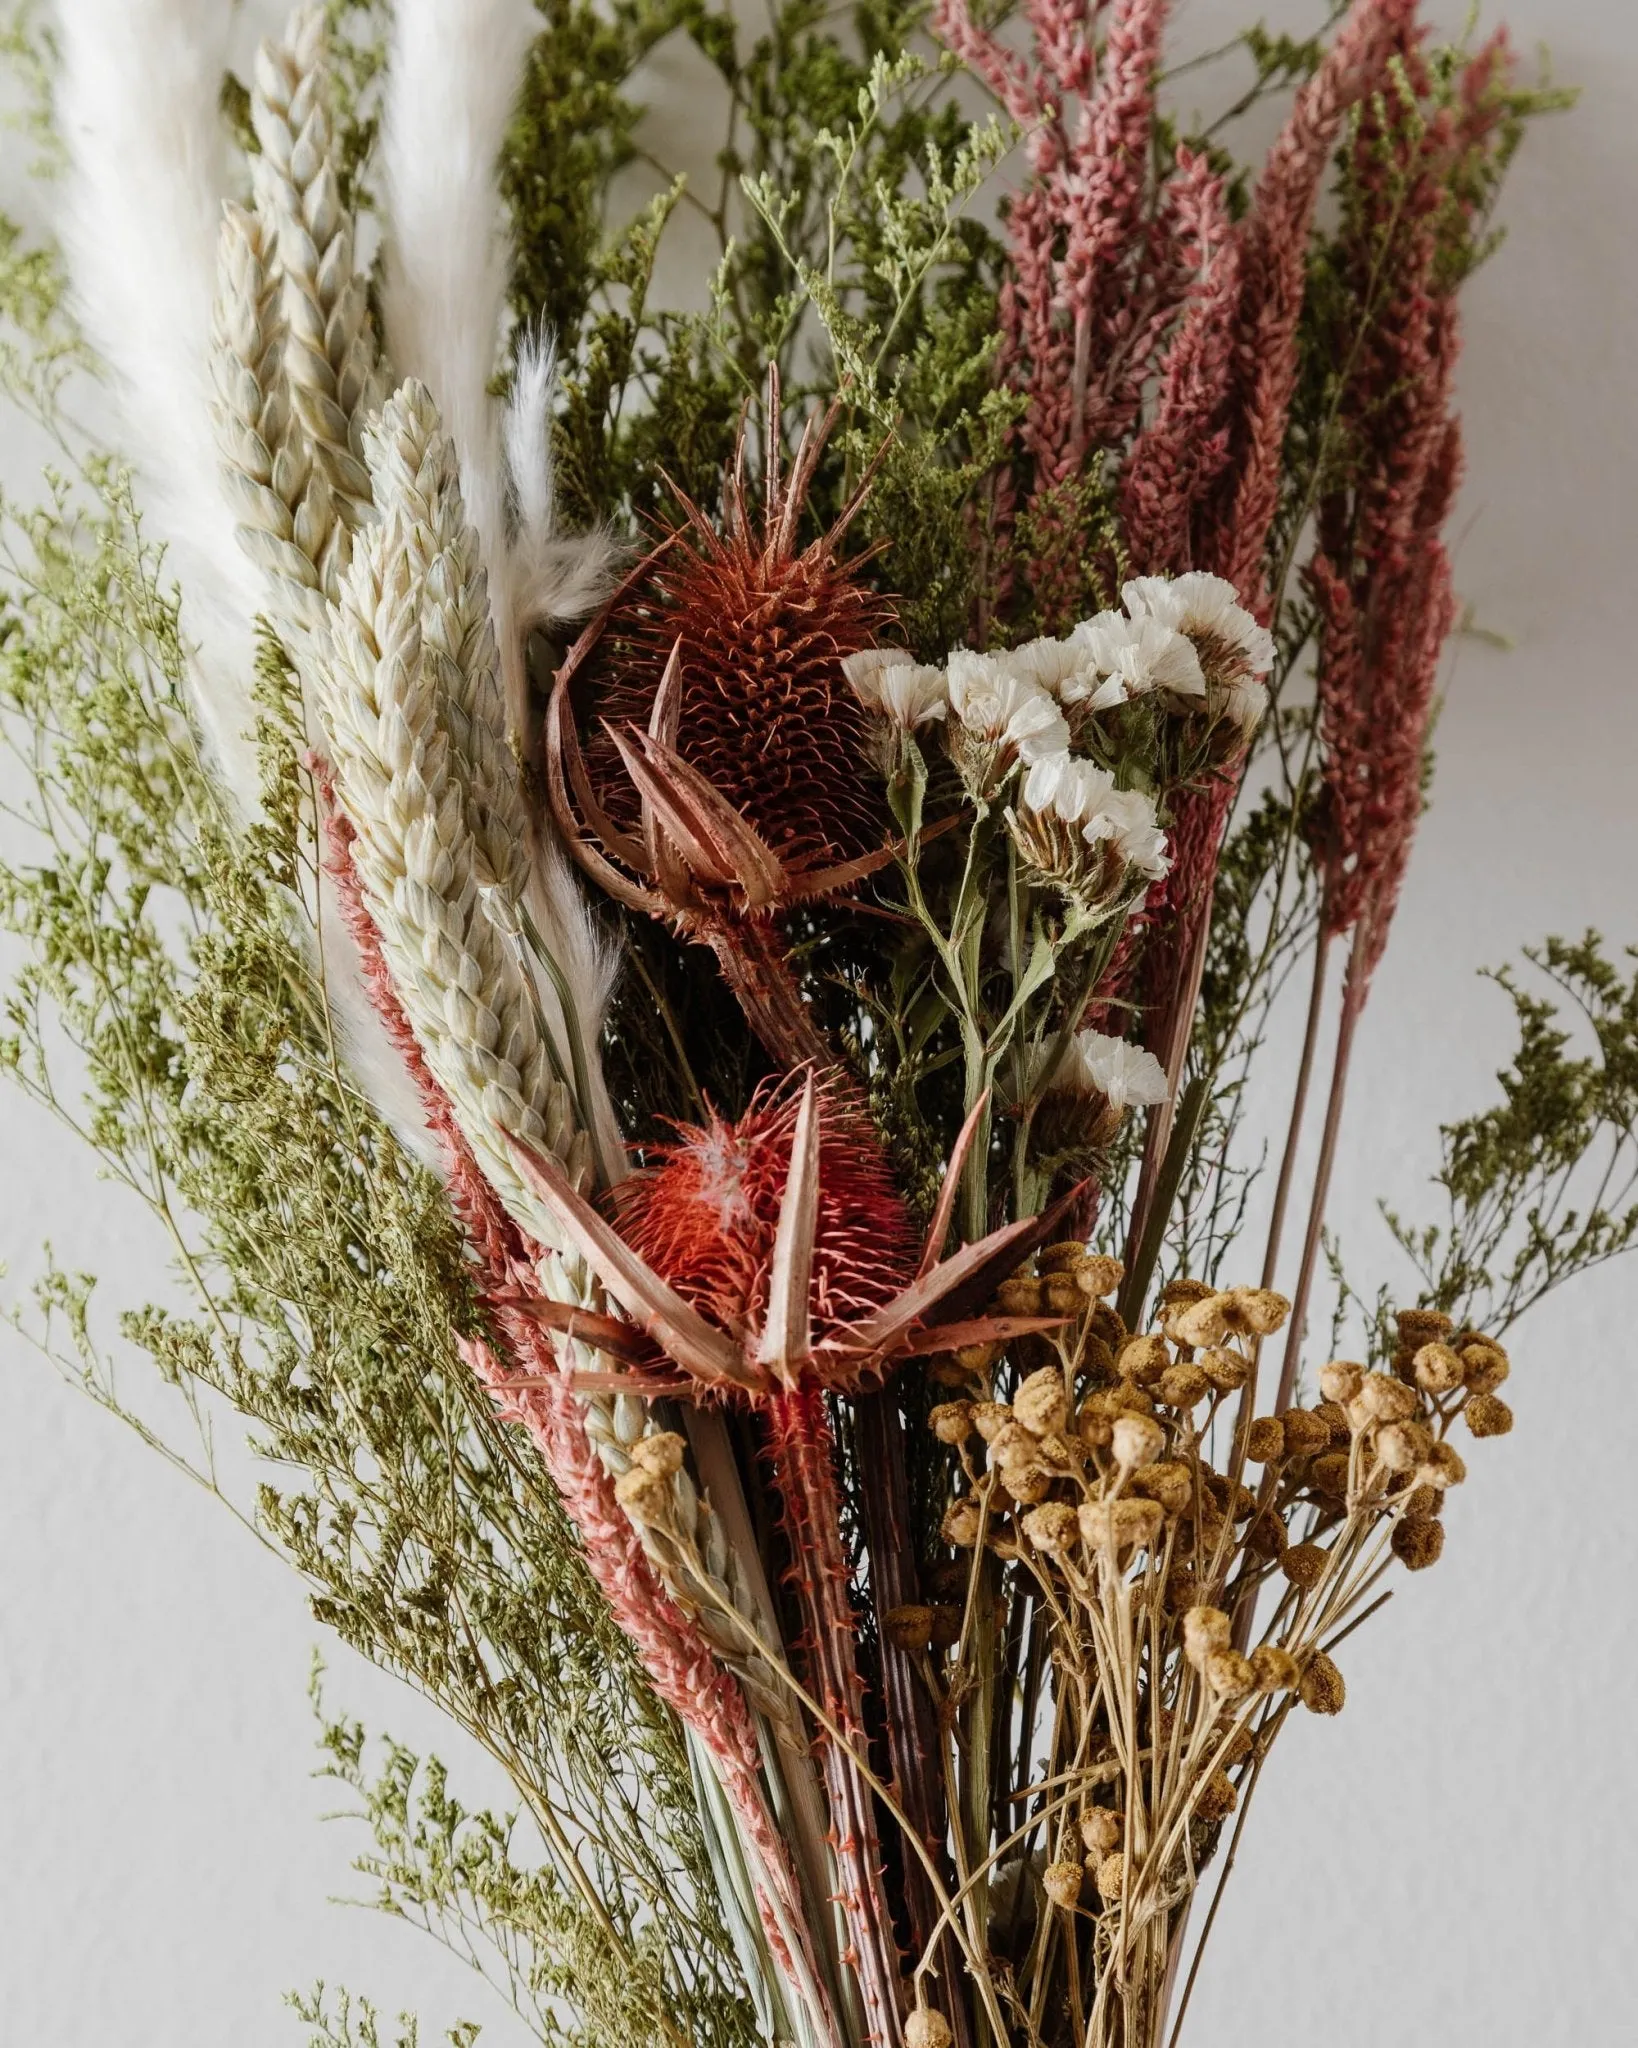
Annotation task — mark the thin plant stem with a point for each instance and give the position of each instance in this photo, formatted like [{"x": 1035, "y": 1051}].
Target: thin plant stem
[{"x": 1353, "y": 1001}]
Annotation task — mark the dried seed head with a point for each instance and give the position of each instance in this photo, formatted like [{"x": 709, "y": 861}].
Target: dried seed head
[
  {"x": 1182, "y": 1386},
  {"x": 1265, "y": 1440},
  {"x": 1266, "y": 1537},
  {"x": 1062, "y": 1884},
  {"x": 1019, "y": 1296},
  {"x": 1226, "y": 1370},
  {"x": 1486, "y": 1416},
  {"x": 1437, "y": 1369},
  {"x": 1111, "y": 1878},
  {"x": 1322, "y": 1689},
  {"x": 952, "y": 1421},
  {"x": 1418, "y": 1544},
  {"x": 645, "y": 1495},
  {"x": 1218, "y": 1798},
  {"x": 978, "y": 1358},
  {"x": 927, "y": 2029},
  {"x": 1419, "y": 1326},
  {"x": 1339, "y": 1381},
  {"x": 1205, "y": 1630},
  {"x": 961, "y": 1523},
  {"x": 1170, "y": 1482},
  {"x": 1259, "y": 1311},
  {"x": 1336, "y": 1420},
  {"x": 1120, "y": 1525},
  {"x": 1443, "y": 1468},
  {"x": 662, "y": 1453},
  {"x": 1099, "y": 1277},
  {"x": 990, "y": 1418},
  {"x": 1028, "y": 1483},
  {"x": 1422, "y": 1501},
  {"x": 1206, "y": 1321},
  {"x": 1402, "y": 1446},
  {"x": 1041, "y": 1403},
  {"x": 946, "y": 1626},
  {"x": 1062, "y": 1295},
  {"x": 1388, "y": 1399},
  {"x": 1061, "y": 1258},
  {"x": 1179, "y": 1294},
  {"x": 1484, "y": 1366},
  {"x": 1105, "y": 1322},
  {"x": 1102, "y": 1831},
  {"x": 1329, "y": 1474},
  {"x": 1137, "y": 1440},
  {"x": 1143, "y": 1359},
  {"x": 1277, "y": 1670},
  {"x": 1305, "y": 1432},
  {"x": 1303, "y": 1564},
  {"x": 1011, "y": 1445},
  {"x": 911, "y": 1628},
  {"x": 1052, "y": 1527},
  {"x": 1229, "y": 1674}
]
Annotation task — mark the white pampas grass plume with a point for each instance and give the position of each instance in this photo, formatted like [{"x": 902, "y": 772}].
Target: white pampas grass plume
[
  {"x": 138, "y": 106},
  {"x": 453, "y": 71},
  {"x": 551, "y": 576}
]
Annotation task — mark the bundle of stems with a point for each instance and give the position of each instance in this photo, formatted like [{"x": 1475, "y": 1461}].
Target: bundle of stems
[{"x": 771, "y": 979}]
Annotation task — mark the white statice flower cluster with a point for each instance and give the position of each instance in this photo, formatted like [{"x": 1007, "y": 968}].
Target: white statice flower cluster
[{"x": 1185, "y": 640}]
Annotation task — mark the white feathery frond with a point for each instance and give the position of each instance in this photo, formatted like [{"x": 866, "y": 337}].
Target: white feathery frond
[
  {"x": 552, "y": 577},
  {"x": 528, "y": 436},
  {"x": 138, "y": 106},
  {"x": 453, "y": 72}
]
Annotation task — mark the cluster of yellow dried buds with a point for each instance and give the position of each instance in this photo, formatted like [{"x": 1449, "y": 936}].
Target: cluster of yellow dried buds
[{"x": 1097, "y": 1481}]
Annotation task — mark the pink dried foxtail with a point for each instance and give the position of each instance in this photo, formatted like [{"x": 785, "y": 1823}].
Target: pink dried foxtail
[
  {"x": 1380, "y": 577},
  {"x": 1274, "y": 265}
]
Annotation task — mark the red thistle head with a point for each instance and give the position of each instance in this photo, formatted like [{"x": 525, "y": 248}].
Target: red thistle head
[
  {"x": 704, "y": 1216},
  {"x": 760, "y": 630}
]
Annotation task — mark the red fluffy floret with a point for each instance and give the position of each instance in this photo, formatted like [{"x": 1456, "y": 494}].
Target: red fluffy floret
[{"x": 704, "y": 1214}]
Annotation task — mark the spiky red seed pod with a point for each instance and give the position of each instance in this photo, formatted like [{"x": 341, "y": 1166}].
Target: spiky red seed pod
[
  {"x": 705, "y": 1213},
  {"x": 765, "y": 710}
]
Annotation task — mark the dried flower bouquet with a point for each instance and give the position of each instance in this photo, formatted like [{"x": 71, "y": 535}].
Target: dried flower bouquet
[{"x": 675, "y": 912}]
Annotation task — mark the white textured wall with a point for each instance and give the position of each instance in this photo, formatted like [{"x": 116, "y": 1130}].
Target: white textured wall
[{"x": 1451, "y": 1860}]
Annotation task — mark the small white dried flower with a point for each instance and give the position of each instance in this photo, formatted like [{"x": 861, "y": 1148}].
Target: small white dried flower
[
  {"x": 1071, "y": 789},
  {"x": 1142, "y": 654},
  {"x": 890, "y": 680},
  {"x": 995, "y": 703},
  {"x": 1123, "y": 1073},
  {"x": 1127, "y": 819},
  {"x": 1204, "y": 607}
]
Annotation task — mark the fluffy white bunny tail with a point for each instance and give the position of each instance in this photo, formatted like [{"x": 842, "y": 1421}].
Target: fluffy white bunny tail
[
  {"x": 138, "y": 100},
  {"x": 551, "y": 576}
]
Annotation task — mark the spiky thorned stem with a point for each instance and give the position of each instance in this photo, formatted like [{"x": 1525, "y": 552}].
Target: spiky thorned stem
[
  {"x": 754, "y": 966},
  {"x": 804, "y": 1459}
]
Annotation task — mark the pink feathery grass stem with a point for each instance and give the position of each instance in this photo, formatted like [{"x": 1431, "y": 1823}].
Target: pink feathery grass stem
[
  {"x": 679, "y": 1662},
  {"x": 803, "y": 1456},
  {"x": 1273, "y": 280},
  {"x": 1380, "y": 578},
  {"x": 1179, "y": 454}
]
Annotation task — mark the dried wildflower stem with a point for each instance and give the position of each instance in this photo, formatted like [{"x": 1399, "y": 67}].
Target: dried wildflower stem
[
  {"x": 804, "y": 1457},
  {"x": 1354, "y": 990}
]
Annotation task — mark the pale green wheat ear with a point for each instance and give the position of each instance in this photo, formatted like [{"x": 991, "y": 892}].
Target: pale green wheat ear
[
  {"x": 295, "y": 362},
  {"x": 423, "y": 874}
]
